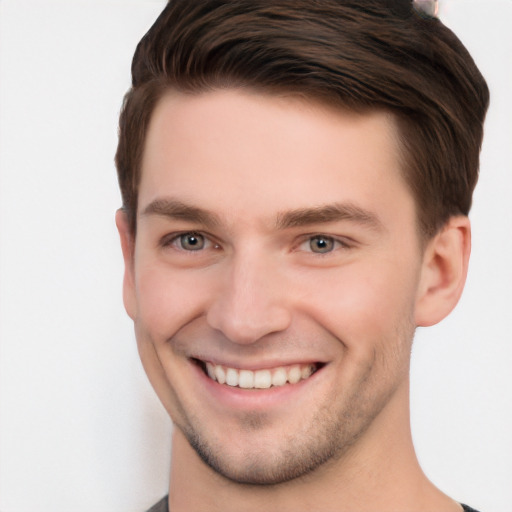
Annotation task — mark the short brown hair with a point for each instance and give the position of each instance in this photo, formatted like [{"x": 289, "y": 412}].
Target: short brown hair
[{"x": 364, "y": 54}]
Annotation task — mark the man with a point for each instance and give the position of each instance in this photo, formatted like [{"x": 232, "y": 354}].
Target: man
[{"x": 296, "y": 180}]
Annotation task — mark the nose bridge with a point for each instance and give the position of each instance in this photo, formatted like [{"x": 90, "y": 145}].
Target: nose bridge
[{"x": 251, "y": 302}]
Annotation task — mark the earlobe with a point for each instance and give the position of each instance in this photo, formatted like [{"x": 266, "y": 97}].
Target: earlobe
[
  {"x": 128, "y": 247},
  {"x": 444, "y": 272}
]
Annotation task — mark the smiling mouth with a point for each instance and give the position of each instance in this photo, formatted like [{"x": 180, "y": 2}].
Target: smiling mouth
[{"x": 258, "y": 379}]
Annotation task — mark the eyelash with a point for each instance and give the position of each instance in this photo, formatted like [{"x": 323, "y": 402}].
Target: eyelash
[
  {"x": 337, "y": 243},
  {"x": 174, "y": 240}
]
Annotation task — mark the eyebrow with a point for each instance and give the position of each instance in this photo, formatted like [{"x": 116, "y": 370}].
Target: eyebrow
[
  {"x": 329, "y": 213},
  {"x": 300, "y": 217},
  {"x": 178, "y": 210}
]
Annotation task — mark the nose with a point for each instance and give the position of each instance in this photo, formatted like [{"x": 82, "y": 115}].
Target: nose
[{"x": 251, "y": 300}]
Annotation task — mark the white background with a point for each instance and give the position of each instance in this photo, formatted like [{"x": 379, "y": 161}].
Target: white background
[{"x": 80, "y": 429}]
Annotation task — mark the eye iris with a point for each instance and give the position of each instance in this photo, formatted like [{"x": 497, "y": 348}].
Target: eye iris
[
  {"x": 192, "y": 242},
  {"x": 321, "y": 244}
]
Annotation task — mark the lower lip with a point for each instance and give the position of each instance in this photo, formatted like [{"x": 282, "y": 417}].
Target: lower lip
[{"x": 255, "y": 399}]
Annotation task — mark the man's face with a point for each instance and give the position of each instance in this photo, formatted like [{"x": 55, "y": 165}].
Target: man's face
[{"x": 276, "y": 241}]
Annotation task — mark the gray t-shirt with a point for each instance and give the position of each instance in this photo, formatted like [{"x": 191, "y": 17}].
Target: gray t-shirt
[{"x": 162, "y": 506}]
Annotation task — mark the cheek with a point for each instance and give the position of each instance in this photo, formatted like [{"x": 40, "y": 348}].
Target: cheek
[
  {"x": 151, "y": 358},
  {"x": 364, "y": 304},
  {"x": 167, "y": 299}
]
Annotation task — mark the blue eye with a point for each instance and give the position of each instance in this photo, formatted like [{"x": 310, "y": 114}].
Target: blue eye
[
  {"x": 321, "y": 244},
  {"x": 191, "y": 241}
]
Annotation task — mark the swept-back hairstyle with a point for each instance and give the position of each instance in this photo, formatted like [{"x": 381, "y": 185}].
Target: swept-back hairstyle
[{"x": 357, "y": 54}]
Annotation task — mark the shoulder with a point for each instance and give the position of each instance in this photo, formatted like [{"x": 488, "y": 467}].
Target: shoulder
[
  {"x": 468, "y": 509},
  {"x": 162, "y": 506}
]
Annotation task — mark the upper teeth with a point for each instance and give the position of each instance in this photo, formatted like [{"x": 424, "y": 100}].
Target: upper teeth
[{"x": 260, "y": 379}]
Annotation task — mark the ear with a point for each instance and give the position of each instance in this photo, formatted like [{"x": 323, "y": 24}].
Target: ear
[
  {"x": 444, "y": 271},
  {"x": 128, "y": 248}
]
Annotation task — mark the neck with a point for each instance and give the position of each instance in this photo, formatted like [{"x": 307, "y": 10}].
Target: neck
[{"x": 379, "y": 472}]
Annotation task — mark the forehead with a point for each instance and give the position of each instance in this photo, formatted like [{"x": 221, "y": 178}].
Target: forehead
[{"x": 244, "y": 154}]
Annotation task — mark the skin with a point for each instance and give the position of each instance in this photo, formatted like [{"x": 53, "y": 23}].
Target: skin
[{"x": 308, "y": 252}]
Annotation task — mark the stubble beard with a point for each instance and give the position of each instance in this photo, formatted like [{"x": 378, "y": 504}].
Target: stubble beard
[
  {"x": 327, "y": 438},
  {"x": 295, "y": 457},
  {"x": 328, "y": 435}
]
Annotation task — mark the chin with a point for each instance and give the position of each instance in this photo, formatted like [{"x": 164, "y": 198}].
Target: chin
[{"x": 265, "y": 457}]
